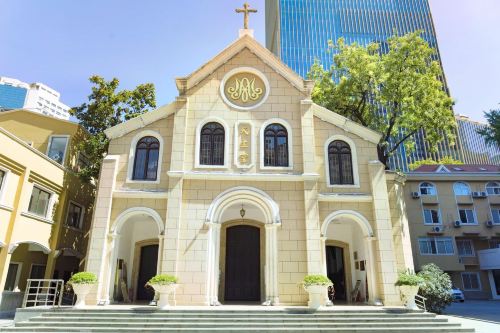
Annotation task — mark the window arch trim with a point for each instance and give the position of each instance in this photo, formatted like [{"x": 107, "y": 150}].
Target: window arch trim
[
  {"x": 131, "y": 157},
  {"x": 492, "y": 187},
  {"x": 289, "y": 143},
  {"x": 354, "y": 158},
  {"x": 199, "y": 127}
]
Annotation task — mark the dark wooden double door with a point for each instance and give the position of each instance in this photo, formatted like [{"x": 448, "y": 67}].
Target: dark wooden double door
[{"x": 242, "y": 272}]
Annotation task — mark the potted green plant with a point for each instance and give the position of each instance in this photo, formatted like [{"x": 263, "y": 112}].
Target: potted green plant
[
  {"x": 317, "y": 287},
  {"x": 164, "y": 285},
  {"x": 409, "y": 283},
  {"x": 82, "y": 283}
]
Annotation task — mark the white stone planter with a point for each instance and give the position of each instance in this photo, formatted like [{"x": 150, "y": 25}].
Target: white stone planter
[
  {"x": 164, "y": 290},
  {"x": 317, "y": 295},
  {"x": 408, "y": 294},
  {"x": 81, "y": 291}
]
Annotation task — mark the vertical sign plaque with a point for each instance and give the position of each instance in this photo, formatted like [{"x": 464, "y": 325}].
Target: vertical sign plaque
[{"x": 244, "y": 145}]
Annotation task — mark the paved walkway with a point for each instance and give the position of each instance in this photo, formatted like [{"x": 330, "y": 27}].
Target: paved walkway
[
  {"x": 481, "y": 326},
  {"x": 6, "y": 322}
]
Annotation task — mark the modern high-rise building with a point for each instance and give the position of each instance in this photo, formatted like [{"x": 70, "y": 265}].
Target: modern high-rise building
[
  {"x": 473, "y": 147},
  {"x": 298, "y": 32},
  {"x": 37, "y": 97}
]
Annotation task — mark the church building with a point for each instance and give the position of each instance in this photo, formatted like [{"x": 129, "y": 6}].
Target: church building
[{"x": 241, "y": 187}]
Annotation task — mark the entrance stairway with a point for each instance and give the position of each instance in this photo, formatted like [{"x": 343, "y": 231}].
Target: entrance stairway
[{"x": 225, "y": 319}]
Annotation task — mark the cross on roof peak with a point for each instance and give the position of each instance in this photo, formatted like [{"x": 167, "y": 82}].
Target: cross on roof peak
[{"x": 246, "y": 12}]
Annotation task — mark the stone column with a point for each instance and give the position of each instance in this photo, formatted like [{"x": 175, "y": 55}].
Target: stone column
[
  {"x": 213, "y": 254},
  {"x": 323, "y": 265},
  {"x": 97, "y": 261},
  {"x": 271, "y": 265},
  {"x": 312, "y": 225},
  {"x": 371, "y": 271},
  {"x": 114, "y": 243}
]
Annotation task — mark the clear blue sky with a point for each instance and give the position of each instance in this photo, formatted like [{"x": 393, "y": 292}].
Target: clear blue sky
[{"x": 62, "y": 43}]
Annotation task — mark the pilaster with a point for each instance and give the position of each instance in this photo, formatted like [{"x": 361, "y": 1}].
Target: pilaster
[
  {"x": 98, "y": 248},
  {"x": 385, "y": 258},
  {"x": 312, "y": 225}
]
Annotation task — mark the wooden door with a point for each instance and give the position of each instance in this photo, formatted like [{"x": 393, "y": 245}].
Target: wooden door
[
  {"x": 147, "y": 269},
  {"x": 242, "y": 277}
]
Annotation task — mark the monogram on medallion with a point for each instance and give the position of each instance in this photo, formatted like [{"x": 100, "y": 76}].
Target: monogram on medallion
[{"x": 244, "y": 89}]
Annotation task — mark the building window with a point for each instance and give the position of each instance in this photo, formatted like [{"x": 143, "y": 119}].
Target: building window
[
  {"x": 146, "y": 159},
  {"x": 471, "y": 281},
  {"x": 39, "y": 202},
  {"x": 494, "y": 243},
  {"x": 57, "y": 148},
  {"x": 461, "y": 188},
  {"x": 465, "y": 248},
  {"x": 467, "y": 216},
  {"x": 340, "y": 163},
  {"x": 275, "y": 146},
  {"x": 495, "y": 214},
  {"x": 13, "y": 274},
  {"x": 212, "y": 138},
  {"x": 37, "y": 271},
  {"x": 431, "y": 216},
  {"x": 75, "y": 214},
  {"x": 436, "y": 246},
  {"x": 493, "y": 188},
  {"x": 427, "y": 189}
]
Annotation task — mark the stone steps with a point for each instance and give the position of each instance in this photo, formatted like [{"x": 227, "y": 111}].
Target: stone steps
[{"x": 149, "y": 319}]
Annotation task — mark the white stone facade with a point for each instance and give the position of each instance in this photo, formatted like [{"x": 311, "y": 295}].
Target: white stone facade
[{"x": 188, "y": 208}]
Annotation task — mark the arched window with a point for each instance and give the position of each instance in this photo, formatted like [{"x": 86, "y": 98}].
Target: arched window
[
  {"x": 146, "y": 158},
  {"x": 493, "y": 188},
  {"x": 461, "y": 188},
  {"x": 340, "y": 163},
  {"x": 212, "y": 144},
  {"x": 427, "y": 189},
  {"x": 275, "y": 146}
]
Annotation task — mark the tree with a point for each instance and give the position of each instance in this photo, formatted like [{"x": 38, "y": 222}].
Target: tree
[
  {"x": 430, "y": 161},
  {"x": 397, "y": 93},
  {"x": 436, "y": 288},
  {"x": 106, "y": 108},
  {"x": 491, "y": 133}
]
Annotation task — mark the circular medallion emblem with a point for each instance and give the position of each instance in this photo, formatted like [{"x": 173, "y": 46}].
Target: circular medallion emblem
[{"x": 244, "y": 88}]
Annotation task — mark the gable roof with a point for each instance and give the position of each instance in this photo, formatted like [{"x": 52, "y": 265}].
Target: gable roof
[
  {"x": 38, "y": 114},
  {"x": 140, "y": 121},
  {"x": 346, "y": 124},
  {"x": 248, "y": 42}
]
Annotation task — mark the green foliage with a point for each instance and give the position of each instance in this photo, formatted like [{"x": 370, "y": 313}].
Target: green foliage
[
  {"x": 404, "y": 82},
  {"x": 108, "y": 107},
  {"x": 163, "y": 279},
  {"x": 436, "y": 288},
  {"x": 491, "y": 133},
  {"x": 317, "y": 280},
  {"x": 429, "y": 161},
  {"x": 83, "y": 278},
  {"x": 409, "y": 279}
]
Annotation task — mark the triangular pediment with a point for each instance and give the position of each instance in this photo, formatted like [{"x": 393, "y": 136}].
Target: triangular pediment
[{"x": 245, "y": 42}]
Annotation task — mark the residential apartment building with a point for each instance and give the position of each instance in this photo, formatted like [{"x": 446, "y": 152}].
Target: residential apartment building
[
  {"x": 474, "y": 148},
  {"x": 298, "y": 32},
  {"x": 37, "y": 97},
  {"x": 454, "y": 218},
  {"x": 45, "y": 210}
]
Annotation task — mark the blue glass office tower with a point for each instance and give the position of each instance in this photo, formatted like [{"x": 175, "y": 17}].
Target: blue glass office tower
[
  {"x": 12, "y": 97},
  {"x": 298, "y": 32}
]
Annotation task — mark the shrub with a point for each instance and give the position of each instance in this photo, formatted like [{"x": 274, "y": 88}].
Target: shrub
[
  {"x": 436, "y": 288},
  {"x": 83, "y": 278},
  {"x": 163, "y": 279},
  {"x": 317, "y": 280},
  {"x": 409, "y": 279}
]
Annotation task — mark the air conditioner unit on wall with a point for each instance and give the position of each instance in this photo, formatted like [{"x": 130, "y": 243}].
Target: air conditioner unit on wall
[
  {"x": 415, "y": 195},
  {"x": 489, "y": 224},
  {"x": 457, "y": 224},
  {"x": 436, "y": 229},
  {"x": 479, "y": 194}
]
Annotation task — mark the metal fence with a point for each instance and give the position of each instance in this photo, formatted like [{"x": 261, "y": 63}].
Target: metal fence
[
  {"x": 43, "y": 292},
  {"x": 420, "y": 301}
]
